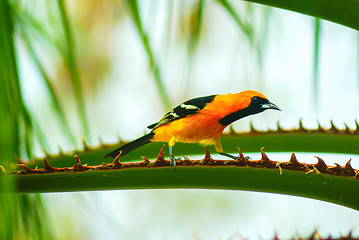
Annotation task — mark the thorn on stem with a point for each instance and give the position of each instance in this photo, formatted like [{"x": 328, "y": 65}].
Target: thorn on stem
[
  {"x": 242, "y": 158},
  {"x": 293, "y": 160},
  {"x": 116, "y": 162},
  {"x": 264, "y": 158},
  {"x": 356, "y": 126},
  {"x": 349, "y": 167},
  {"x": 347, "y": 130},
  {"x": 48, "y": 167},
  {"x": 332, "y": 127},
  {"x": 207, "y": 155},
  {"x": 320, "y": 165},
  {"x": 252, "y": 129},
  {"x": 26, "y": 168},
  {"x": 145, "y": 160},
  {"x": 279, "y": 128},
  {"x": 85, "y": 144},
  {"x": 301, "y": 127},
  {"x": 207, "y": 160},
  {"x": 61, "y": 152},
  {"x": 160, "y": 158},
  {"x": 78, "y": 166}
]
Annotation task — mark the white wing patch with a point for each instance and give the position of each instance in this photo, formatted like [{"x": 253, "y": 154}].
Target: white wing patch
[
  {"x": 185, "y": 106},
  {"x": 175, "y": 115}
]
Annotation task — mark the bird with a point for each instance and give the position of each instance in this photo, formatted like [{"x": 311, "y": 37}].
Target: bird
[{"x": 200, "y": 120}]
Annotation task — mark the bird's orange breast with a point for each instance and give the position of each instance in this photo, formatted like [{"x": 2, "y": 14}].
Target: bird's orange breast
[{"x": 191, "y": 129}]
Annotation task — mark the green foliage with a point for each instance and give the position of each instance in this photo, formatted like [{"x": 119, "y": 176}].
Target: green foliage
[
  {"x": 136, "y": 15},
  {"x": 316, "y": 62},
  {"x": 70, "y": 54},
  {"x": 344, "y": 12},
  {"x": 11, "y": 103},
  {"x": 21, "y": 215}
]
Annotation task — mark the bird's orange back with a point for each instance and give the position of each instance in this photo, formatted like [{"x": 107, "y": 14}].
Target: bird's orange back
[{"x": 223, "y": 105}]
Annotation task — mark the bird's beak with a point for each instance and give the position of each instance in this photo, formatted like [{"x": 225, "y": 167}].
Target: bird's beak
[{"x": 270, "y": 105}]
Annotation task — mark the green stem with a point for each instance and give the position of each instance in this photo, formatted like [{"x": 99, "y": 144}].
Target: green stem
[
  {"x": 316, "y": 142},
  {"x": 335, "y": 189}
]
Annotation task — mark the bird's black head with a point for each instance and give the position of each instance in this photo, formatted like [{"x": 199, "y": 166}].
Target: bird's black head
[{"x": 258, "y": 104}]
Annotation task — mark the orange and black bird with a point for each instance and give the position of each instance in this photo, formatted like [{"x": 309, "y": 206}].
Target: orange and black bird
[{"x": 201, "y": 120}]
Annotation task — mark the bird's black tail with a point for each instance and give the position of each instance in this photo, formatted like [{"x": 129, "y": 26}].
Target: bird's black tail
[{"x": 131, "y": 145}]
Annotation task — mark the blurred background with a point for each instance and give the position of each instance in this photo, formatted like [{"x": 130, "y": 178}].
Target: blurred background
[{"x": 104, "y": 70}]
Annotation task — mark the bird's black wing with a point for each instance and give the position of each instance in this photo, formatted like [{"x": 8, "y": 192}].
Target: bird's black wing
[{"x": 185, "y": 109}]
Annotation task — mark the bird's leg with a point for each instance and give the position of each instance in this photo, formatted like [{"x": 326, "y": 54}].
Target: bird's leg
[
  {"x": 232, "y": 156},
  {"x": 219, "y": 149},
  {"x": 228, "y": 155},
  {"x": 172, "y": 158}
]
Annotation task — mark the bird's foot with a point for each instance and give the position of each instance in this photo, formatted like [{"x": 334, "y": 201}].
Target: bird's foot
[{"x": 173, "y": 161}]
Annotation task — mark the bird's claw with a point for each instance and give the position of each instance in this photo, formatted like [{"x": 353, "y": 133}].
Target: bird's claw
[{"x": 173, "y": 161}]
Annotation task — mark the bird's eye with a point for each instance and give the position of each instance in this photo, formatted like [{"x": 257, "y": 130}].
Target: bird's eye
[{"x": 255, "y": 99}]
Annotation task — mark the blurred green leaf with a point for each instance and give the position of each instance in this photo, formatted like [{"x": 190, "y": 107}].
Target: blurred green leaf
[
  {"x": 55, "y": 101},
  {"x": 246, "y": 28},
  {"x": 71, "y": 61},
  {"x": 11, "y": 109},
  {"x": 136, "y": 16},
  {"x": 196, "y": 26},
  {"x": 18, "y": 219},
  {"x": 316, "y": 51}
]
